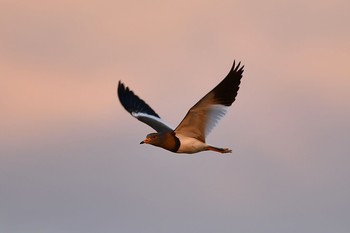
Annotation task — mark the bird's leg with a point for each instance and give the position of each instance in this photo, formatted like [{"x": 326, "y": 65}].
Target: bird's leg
[{"x": 220, "y": 150}]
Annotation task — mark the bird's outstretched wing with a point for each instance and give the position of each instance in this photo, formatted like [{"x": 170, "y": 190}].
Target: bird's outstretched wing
[
  {"x": 204, "y": 115},
  {"x": 140, "y": 110}
]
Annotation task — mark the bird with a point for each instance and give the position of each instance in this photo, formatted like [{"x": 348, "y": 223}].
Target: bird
[{"x": 189, "y": 136}]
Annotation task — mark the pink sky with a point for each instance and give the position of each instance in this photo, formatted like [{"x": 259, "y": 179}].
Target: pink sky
[{"x": 63, "y": 128}]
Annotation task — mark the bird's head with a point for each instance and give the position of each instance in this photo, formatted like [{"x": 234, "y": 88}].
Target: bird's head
[
  {"x": 166, "y": 140},
  {"x": 153, "y": 139}
]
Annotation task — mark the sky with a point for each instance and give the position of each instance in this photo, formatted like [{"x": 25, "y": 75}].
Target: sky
[{"x": 70, "y": 159}]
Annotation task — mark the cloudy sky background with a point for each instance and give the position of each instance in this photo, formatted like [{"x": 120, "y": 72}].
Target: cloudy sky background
[{"x": 70, "y": 161}]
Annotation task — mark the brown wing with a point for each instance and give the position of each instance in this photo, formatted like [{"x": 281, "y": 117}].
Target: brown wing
[{"x": 204, "y": 115}]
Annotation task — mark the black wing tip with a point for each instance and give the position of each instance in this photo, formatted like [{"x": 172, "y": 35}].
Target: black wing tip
[
  {"x": 123, "y": 92},
  {"x": 226, "y": 91},
  {"x": 120, "y": 84},
  {"x": 238, "y": 68},
  {"x": 131, "y": 102},
  {"x": 121, "y": 88}
]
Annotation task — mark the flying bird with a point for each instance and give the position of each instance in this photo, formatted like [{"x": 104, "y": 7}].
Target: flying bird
[{"x": 189, "y": 136}]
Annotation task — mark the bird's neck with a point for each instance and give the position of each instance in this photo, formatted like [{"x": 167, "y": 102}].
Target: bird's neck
[{"x": 169, "y": 141}]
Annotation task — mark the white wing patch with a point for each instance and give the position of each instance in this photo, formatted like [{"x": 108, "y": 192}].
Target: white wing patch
[
  {"x": 215, "y": 113},
  {"x": 153, "y": 121}
]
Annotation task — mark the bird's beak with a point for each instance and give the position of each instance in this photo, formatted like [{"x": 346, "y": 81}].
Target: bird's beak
[{"x": 145, "y": 141}]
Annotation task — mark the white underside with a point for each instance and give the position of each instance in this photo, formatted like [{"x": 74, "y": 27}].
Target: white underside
[{"x": 190, "y": 145}]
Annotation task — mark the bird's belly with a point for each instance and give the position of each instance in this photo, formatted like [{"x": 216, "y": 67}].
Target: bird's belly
[{"x": 190, "y": 145}]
